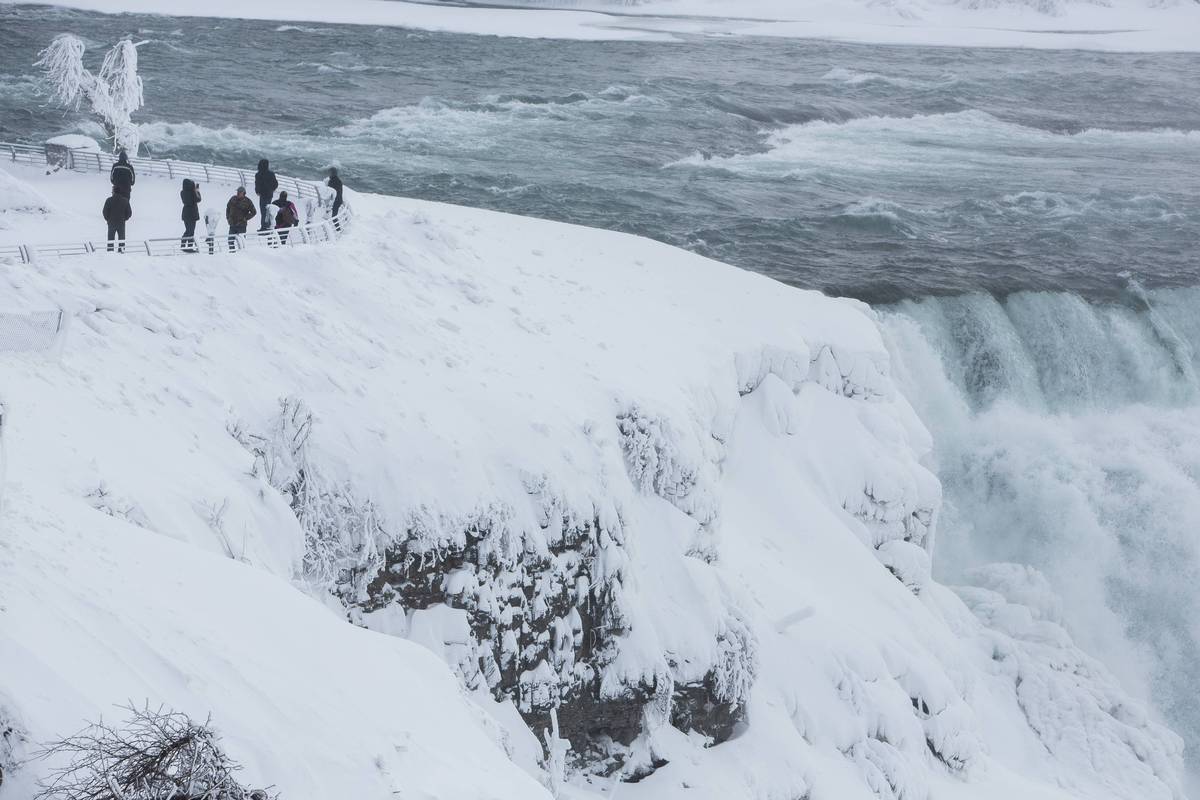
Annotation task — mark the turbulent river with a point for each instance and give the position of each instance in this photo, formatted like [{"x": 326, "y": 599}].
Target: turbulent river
[{"x": 1027, "y": 224}]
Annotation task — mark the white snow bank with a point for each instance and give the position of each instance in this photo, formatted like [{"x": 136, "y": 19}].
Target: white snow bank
[
  {"x": 96, "y": 613},
  {"x": 1118, "y": 25},
  {"x": 755, "y": 476}
]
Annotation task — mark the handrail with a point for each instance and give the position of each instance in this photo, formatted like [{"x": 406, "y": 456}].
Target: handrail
[{"x": 324, "y": 230}]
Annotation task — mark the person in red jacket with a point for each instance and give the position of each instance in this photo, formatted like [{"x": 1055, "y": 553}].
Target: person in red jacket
[{"x": 287, "y": 217}]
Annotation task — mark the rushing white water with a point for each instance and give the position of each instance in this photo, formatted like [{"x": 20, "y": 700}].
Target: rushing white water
[{"x": 1068, "y": 437}]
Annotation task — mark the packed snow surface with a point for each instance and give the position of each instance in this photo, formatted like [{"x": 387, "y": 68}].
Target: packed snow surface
[
  {"x": 1123, "y": 25},
  {"x": 757, "y": 476}
]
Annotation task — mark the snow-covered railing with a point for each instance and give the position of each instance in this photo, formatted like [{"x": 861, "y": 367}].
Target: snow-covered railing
[
  {"x": 23, "y": 153},
  {"x": 90, "y": 160},
  {"x": 325, "y": 230}
]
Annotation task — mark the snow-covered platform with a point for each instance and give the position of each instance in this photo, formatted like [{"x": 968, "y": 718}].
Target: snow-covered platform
[{"x": 231, "y": 457}]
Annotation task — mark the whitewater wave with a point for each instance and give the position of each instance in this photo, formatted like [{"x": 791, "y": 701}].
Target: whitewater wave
[
  {"x": 468, "y": 125},
  {"x": 855, "y": 77},
  {"x": 1067, "y": 436},
  {"x": 170, "y": 137},
  {"x": 303, "y": 29},
  {"x": 876, "y": 214},
  {"x": 963, "y": 139}
]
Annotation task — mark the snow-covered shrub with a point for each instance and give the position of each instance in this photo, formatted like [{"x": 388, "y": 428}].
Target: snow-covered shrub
[
  {"x": 155, "y": 755},
  {"x": 736, "y": 664},
  {"x": 12, "y": 741},
  {"x": 663, "y": 462},
  {"x": 341, "y": 529},
  {"x": 113, "y": 94},
  {"x": 103, "y": 500}
]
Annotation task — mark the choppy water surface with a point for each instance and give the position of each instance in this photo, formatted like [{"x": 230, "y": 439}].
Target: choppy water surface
[{"x": 879, "y": 172}]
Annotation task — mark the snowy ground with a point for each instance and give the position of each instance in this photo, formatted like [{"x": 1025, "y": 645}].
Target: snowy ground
[
  {"x": 453, "y": 359},
  {"x": 1120, "y": 25}
]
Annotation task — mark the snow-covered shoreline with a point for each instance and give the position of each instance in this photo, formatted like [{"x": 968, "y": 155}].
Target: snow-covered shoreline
[
  {"x": 726, "y": 458},
  {"x": 1122, "y": 26}
]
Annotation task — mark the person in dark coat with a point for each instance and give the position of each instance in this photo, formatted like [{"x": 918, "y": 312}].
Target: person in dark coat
[
  {"x": 190, "y": 195},
  {"x": 265, "y": 184},
  {"x": 335, "y": 183},
  {"x": 238, "y": 213},
  {"x": 116, "y": 212},
  {"x": 286, "y": 218},
  {"x": 122, "y": 175}
]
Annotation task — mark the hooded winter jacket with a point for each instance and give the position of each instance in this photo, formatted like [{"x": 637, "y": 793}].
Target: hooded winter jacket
[
  {"x": 265, "y": 182},
  {"x": 190, "y": 196},
  {"x": 117, "y": 210},
  {"x": 122, "y": 175}
]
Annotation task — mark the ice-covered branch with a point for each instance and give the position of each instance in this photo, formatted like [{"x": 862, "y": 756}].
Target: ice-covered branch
[{"x": 113, "y": 95}]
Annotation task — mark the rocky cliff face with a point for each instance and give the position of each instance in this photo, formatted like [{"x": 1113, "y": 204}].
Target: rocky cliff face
[{"x": 539, "y": 615}]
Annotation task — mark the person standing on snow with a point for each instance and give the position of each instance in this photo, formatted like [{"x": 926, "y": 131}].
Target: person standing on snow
[
  {"x": 335, "y": 183},
  {"x": 287, "y": 217},
  {"x": 116, "y": 212},
  {"x": 238, "y": 213},
  {"x": 122, "y": 175},
  {"x": 190, "y": 195},
  {"x": 265, "y": 184}
]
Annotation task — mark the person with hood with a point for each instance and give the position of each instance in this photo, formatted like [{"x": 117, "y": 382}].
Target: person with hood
[
  {"x": 190, "y": 195},
  {"x": 116, "y": 212},
  {"x": 335, "y": 183},
  {"x": 265, "y": 184},
  {"x": 238, "y": 213},
  {"x": 122, "y": 175},
  {"x": 287, "y": 217}
]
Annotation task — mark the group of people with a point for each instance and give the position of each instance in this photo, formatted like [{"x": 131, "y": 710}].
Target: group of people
[{"x": 239, "y": 210}]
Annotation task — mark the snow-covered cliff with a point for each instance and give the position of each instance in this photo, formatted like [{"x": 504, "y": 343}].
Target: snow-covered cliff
[{"x": 674, "y": 510}]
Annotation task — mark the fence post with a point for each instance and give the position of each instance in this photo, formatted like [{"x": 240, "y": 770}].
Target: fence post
[
  {"x": 24, "y": 252},
  {"x": 147, "y": 244},
  {"x": 206, "y": 172},
  {"x": 170, "y": 170}
]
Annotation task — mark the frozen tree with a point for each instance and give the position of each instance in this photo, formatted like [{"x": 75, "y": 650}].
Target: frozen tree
[
  {"x": 113, "y": 94},
  {"x": 155, "y": 755}
]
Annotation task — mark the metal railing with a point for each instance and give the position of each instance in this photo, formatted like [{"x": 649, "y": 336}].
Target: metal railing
[
  {"x": 23, "y": 153},
  {"x": 324, "y": 230},
  {"x": 90, "y": 160}
]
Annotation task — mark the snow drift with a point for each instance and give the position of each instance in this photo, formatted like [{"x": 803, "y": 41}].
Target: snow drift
[{"x": 638, "y": 503}]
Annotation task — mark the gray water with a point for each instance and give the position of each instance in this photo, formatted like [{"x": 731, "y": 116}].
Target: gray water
[
  {"x": 1010, "y": 206},
  {"x": 877, "y": 172}
]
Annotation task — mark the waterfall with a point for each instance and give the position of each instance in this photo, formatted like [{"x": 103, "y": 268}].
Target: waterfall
[{"x": 1067, "y": 437}]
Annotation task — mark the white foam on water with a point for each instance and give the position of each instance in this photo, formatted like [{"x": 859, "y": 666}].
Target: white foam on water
[{"x": 1068, "y": 437}]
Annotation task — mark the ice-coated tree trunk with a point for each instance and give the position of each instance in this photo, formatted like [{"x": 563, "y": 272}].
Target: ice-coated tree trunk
[
  {"x": 113, "y": 95},
  {"x": 120, "y": 88}
]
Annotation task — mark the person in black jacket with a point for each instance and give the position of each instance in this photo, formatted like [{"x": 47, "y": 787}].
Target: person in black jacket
[
  {"x": 122, "y": 175},
  {"x": 335, "y": 183},
  {"x": 190, "y": 195},
  {"x": 265, "y": 184},
  {"x": 116, "y": 212}
]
